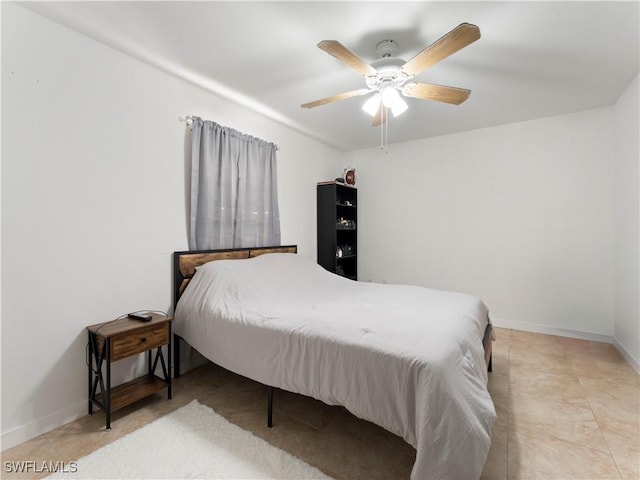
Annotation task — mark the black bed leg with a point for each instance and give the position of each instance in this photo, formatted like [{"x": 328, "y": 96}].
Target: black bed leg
[
  {"x": 490, "y": 368},
  {"x": 270, "y": 408},
  {"x": 176, "y": 356}
]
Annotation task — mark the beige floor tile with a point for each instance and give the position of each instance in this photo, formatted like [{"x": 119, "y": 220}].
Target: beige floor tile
[
  {"x": 306, "y": 410},
  {"x": 565, "y": 421},
  {"x": 549, "y": 458},
  {"x": 360, "y": 451},
  {"x": 609, "y": 390},
  {"x": 554, "y": 387},
  {"x": 626, "y": 453},
  {"x": 333, "y": 440},
  {"x": 500, "y": 361},
  {"x": 499, "y": 389},
  {"x": 588, "y": 350},
  {"x": 501, "y": 340},
  {"x": 79, "y": 438},
  {"x": 496, "y": 466},
  {"x": 502, "y": 334},
  {"x": 523, "y": 361},
  {"x": 616, "y": 372},
  {"x": 618, "y": 418},
  {"x": 27, "y": 459},
  {"x": 535, "y": 342},
  {"x": 617, "y": 411}
]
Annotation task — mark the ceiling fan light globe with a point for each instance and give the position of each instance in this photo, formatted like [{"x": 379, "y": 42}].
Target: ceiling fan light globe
[
  {"x": 372, "y": 105},
  {"x": 389, "y": 95},
  {"x": 398, "y": 107},
  {"x": 391, "y": 99}
]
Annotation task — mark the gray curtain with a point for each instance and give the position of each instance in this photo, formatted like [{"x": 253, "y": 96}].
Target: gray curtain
[{"x": 234, "y": 191}]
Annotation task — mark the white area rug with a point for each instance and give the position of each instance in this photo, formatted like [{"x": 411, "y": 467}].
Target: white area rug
[{"x": 192, "y": 442}]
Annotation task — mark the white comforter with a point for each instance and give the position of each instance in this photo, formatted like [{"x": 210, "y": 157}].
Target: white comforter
[{"x": 407, "y": 358}]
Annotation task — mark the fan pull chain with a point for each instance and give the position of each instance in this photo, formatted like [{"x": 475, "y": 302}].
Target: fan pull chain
[
  {"x": 381, "y": 128},
  {"x": 384, "y": 132}
]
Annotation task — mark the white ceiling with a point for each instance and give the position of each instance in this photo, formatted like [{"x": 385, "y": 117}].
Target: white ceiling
[{"x": 534, "y": 59}]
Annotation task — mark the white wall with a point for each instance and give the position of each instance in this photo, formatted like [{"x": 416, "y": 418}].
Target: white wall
[
  {"x": 93, "y": 203},
  {"x": 627, "y": 237},
  {"x": 520, "y": 215}
]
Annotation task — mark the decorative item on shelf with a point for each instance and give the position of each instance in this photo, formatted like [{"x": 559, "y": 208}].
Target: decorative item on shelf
[
  {"x": 348, "y": 176},
  {"x": 346, "y": 224},
  {"x": 345, "y": 251}
]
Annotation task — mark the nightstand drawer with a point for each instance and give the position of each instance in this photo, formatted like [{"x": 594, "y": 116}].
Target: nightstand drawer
[{"x": 139, "y": 341}]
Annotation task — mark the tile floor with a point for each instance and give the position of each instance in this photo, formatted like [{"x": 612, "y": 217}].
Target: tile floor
[{"x": 567, "y": 409}]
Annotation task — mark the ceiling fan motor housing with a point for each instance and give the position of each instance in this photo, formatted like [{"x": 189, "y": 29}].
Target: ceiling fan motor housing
[{"x": 387, "y": 69}]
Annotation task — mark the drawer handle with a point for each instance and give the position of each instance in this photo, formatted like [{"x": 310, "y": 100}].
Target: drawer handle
[{"x": 143, "y": 339}]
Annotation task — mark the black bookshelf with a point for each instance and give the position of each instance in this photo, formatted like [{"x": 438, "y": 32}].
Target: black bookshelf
[{"x": 337, "y": 229}]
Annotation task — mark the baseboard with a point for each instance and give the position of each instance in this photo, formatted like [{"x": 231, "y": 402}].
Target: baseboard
[
  {"x": 550, "y": 330},
  {"x": 42, "y": 425},
  {"x": 627, "y": 356}
]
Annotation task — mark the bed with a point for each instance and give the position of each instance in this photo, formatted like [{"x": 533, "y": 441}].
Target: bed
[{"x": 407, "y": 358}]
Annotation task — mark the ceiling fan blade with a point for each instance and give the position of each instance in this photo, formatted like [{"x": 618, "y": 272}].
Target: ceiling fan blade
[
  {"x": 335, "y": 98},
  {"x": 439, "y": 93},
  {"x": 458, "y": 38},
  {"x": 346, "y": 56},
  {"x": 381, "y": 116}
]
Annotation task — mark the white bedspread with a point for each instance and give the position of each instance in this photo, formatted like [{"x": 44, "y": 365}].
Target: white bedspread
[{"x": 409, "y": 359}]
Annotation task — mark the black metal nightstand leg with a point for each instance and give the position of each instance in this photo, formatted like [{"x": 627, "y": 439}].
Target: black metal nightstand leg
[
  {"x": 166, "y": 367},
  {"x": 90, "y": 371},
  {"x": 168, "y": 373},
  {"x": 107, "y": 395}
]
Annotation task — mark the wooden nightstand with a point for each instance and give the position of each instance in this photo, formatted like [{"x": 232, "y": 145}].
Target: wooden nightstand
[{"x": 122, "y": 338}]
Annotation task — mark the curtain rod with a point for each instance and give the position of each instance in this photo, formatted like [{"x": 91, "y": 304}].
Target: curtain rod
[{"x": 189, "y": 121}]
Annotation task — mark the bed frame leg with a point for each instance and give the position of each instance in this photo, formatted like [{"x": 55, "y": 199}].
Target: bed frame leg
[
  {"x": 270, "y": 408},
  {"x": 176, "y": 356},
  {"x": 490, "y": 368}
]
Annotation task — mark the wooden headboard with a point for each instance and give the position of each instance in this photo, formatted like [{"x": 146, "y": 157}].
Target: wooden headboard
[{"x": 185, "y": 263}]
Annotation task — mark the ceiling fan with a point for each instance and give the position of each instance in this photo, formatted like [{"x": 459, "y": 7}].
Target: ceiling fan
[{"x": 388, "y": 76}]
